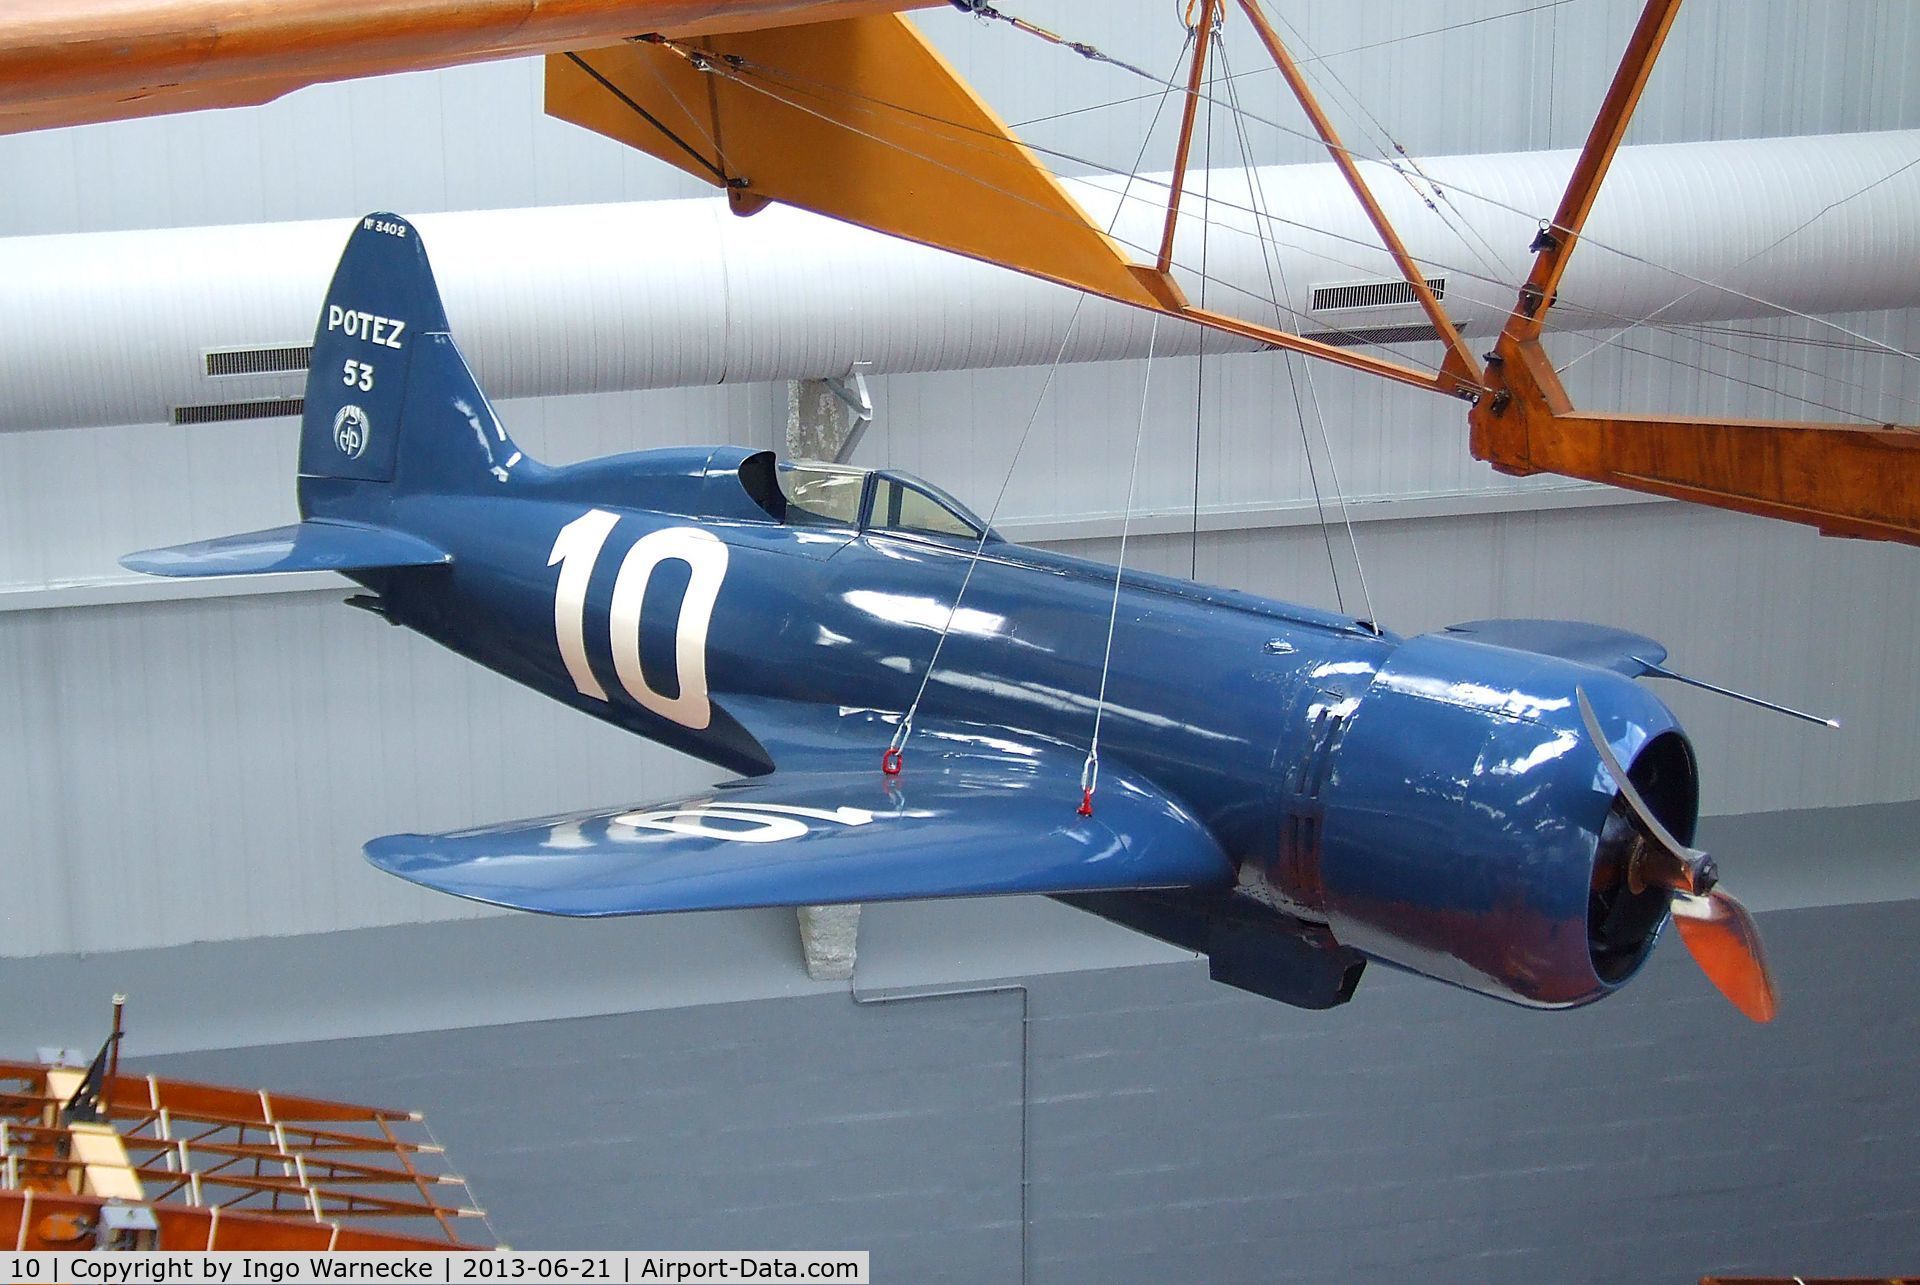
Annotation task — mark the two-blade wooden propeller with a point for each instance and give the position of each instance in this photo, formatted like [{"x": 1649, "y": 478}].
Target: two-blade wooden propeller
[{"x": 1716, "y": 928}]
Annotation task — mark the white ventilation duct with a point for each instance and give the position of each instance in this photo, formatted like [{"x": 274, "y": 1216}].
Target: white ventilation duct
[{"x": 122, "y": 328}]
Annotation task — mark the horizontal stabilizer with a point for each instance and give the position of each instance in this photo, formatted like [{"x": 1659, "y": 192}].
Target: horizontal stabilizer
[
  {"x": 1603, "y": 648},
  {"x": 304, "y": 546},
  {"x": 949, "y": 826}
]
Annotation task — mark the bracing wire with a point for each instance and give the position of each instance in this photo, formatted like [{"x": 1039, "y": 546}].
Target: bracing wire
[
  {"x": 1269, "y": 218},
  {"x": 1338, "y": 53},
  {"x": 893, "y": 758},
  {"x": 1443, "y": 187},
  {"x": 1699, "y": 282},
  {"x": 1440, "y": 187},
  {"x": 1256, "y": 195},
  {"x": 1393, "y": 153},
  {"x": 1090, "y": 770},
  {"x": 754, "y": 83},
  {"x": 1768, "y": 248},
  {"x": 1200, "y": 357}
]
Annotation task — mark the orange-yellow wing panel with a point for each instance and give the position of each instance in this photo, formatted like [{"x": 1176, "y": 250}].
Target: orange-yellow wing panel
[{"x": 861, "y": 119}]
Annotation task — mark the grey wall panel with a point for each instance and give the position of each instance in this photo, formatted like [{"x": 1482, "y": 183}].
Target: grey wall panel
[
  {"x": 205, "y": 770},
  {"x": 1178, "y": 1130}
]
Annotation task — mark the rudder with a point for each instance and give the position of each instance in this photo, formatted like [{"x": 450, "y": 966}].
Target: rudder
[
  {"x": 389, "y": 398},
  {"x": 382, "y": 300}
]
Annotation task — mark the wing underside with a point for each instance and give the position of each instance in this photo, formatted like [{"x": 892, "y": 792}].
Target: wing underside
[{"x": 956, "y": 822}]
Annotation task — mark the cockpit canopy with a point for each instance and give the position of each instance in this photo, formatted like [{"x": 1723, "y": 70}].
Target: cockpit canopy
[{"x": 820, "y": 494}]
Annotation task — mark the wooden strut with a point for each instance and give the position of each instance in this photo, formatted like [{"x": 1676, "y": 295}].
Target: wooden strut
[
  {"x": 1183, "y": 150},
  {"x": 1844, "y": 479},
  {"x": 1460, "y": 373}
]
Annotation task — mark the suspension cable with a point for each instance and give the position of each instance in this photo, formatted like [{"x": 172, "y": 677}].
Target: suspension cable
[
  {"x": 1090, "y": 770},
  {"x": 893, "y": 759},
  {"x": 1200, "y": 357},
  {"x": 987, "y": 13},
  {"x": 1443, "y": 187},
  {"x": 1256, "y": 195}
]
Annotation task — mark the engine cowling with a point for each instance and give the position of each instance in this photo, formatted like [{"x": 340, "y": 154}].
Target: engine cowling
[{"x": 1471, "y": 832}]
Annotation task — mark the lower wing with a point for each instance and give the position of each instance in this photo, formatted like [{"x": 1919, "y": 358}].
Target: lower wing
[{"x": 966, "y": 818}]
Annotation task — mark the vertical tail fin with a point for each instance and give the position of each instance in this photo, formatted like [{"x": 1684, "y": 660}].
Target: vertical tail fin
[{"x": 389, "y": 398}]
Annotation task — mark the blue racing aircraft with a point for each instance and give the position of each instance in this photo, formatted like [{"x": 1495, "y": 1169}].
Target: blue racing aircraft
[{"x": 910, "y": 703}]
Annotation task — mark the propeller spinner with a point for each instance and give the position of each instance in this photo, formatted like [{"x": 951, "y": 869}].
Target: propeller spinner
[{"x": 1716, "y": 928}]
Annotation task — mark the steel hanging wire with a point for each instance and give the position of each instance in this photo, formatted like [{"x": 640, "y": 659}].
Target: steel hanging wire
[
  {"x": 1256, "y": 196},
  {"x": 1090, "y": 770},
  {"x": 893, "y": 758},
  {"x": 735, "y": 66},
  {"x": 1441, "y": 186},
  {"x": 1200, "y": 363}
]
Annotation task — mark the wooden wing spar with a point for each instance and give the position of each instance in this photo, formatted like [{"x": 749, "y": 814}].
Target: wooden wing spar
[
  {"x": 841, "y": 107},
  {"x": 74, "y": 62}
]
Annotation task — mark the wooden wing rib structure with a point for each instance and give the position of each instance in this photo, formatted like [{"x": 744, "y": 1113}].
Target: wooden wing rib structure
[{"x": 91, "y": 1159}]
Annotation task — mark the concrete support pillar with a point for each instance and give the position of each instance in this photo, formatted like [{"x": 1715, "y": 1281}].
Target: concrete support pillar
[{"x": 830, "y": 936}]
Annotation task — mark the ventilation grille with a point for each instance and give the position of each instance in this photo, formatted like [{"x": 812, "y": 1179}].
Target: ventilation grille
[
  {"x": 259, "y": 361},
  {"x": 1372, "y": 294},
  {"x": 1418, "y": 332},
  {"x": 225, "y": 412}
]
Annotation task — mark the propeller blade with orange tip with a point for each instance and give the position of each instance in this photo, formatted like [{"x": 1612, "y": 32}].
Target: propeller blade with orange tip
[
  {"x": 1722, "y": 938},
  {"x": 1717, "y": 930}
]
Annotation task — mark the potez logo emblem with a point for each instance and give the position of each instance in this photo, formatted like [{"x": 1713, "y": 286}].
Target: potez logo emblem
[
  {"x": 350, "y": 432},
  {"x": 369, "y": 326}
]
